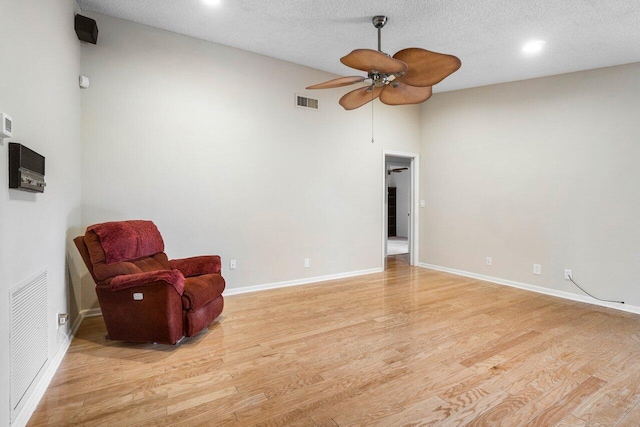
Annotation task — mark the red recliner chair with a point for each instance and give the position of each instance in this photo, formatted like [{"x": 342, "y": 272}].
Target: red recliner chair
[{"x": 144, "y": 296}]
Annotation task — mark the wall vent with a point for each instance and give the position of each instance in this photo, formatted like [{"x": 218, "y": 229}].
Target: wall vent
[
  {"x": 304, "y": 102},
  {"x": 29, "y": 337}
]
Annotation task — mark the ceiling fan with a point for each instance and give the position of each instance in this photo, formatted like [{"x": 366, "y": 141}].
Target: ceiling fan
[
  {"x": 405, "y": 78},
  {"x": 396, "y": 170}
]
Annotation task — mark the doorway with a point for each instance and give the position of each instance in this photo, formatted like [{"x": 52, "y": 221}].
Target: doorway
[{"x": 400, "y": 194}]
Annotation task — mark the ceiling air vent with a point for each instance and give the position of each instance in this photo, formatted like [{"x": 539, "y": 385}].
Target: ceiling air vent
[{"x": 304, "y": 102}]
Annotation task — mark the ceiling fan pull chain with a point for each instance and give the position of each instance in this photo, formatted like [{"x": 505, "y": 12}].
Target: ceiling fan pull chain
[{"x": 372, "y": 117}]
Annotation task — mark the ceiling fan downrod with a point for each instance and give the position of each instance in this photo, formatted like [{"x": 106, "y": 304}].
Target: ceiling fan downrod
[
  {"x": 379, "y": 79},
  {"x": 379, "y": 21}
]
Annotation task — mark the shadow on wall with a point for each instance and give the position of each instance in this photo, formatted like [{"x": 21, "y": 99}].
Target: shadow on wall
[
  {"x": 82, "y": 295},
  {"x": 76, "y": 275},
  {"x": 22, "y": 195}
]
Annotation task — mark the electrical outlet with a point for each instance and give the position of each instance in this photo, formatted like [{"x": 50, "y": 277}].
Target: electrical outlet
[
  {"x": 537, "y": 269},
  {"x": 307, "y": 263},
  {"x": 568, "y": 274},
  {"x": 232, "y": 264},
  {"x": 63, "y": 318},
  {"x": 489, "y": 260}
]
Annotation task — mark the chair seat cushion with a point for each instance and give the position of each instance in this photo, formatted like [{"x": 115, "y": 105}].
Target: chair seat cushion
[{"x": 200, "y": 290}]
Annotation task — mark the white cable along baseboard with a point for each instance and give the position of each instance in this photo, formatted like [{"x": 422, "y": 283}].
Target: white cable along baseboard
[{"x": 534, "y": 288}]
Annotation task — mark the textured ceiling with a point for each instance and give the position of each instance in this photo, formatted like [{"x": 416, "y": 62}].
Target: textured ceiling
[{"x": 486, "y": 35}]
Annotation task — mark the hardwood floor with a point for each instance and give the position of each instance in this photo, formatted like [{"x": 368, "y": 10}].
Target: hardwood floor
[{"x": 409, "y": 346}]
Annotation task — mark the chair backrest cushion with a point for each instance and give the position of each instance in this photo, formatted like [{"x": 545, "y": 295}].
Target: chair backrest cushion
[
  {"x": 124, "y": 247},
  {"x": 126, "y": 240}
]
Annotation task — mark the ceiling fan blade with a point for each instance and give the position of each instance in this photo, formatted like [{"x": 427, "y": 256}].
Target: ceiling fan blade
[
  {"x": 396, "y": 170},
  {"x": 402, "y": 94},
  {"x": 359, "y": 97},
  {"x": 340, "y": 81},
  {"x": 372, "y": 60},
  {"x": 426, "y": 68}
]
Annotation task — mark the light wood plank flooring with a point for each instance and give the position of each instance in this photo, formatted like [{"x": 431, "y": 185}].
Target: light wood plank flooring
[{"x": 409, "y": 346}]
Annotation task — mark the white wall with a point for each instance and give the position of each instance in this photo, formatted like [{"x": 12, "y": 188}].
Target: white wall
[
  {"x": 205, "y": 140},
  {"x": 39, "y": 90},
  {"x": 541, "y": 171}
]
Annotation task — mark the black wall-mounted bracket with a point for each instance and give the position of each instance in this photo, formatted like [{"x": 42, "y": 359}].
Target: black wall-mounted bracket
[{"x": 26, "y": 169}]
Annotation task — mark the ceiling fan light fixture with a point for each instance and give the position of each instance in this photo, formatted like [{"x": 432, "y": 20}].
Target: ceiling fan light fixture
[{"x": 533, "y": 46}]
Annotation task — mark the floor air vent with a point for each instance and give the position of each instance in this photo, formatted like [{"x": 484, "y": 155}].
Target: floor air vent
[
  {"x": 304, "y": 102},
  {"x": 28, "y": 338}
]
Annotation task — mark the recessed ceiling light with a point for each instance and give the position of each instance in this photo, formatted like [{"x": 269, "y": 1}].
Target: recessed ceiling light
[
  {"x": 534, "y": 46},
  {"x": 212, "y": 2}
]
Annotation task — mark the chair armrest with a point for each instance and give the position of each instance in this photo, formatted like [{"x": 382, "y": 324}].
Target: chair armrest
[
  {"x": 198, "y": 265},
  {"x": 171, "y": 277}
]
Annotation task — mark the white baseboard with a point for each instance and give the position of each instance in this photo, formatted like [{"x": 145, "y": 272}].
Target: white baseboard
[
  {"x": 246, "y": 289},
  {"x": 534, "y": 288},
  {"x": 40, "y": 387},
  {"x": 256, "y": 288},
  {"x": 91, "y": 312}
]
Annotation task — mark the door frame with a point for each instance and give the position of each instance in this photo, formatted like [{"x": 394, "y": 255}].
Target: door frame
[{"x": 414, "y": 204}]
